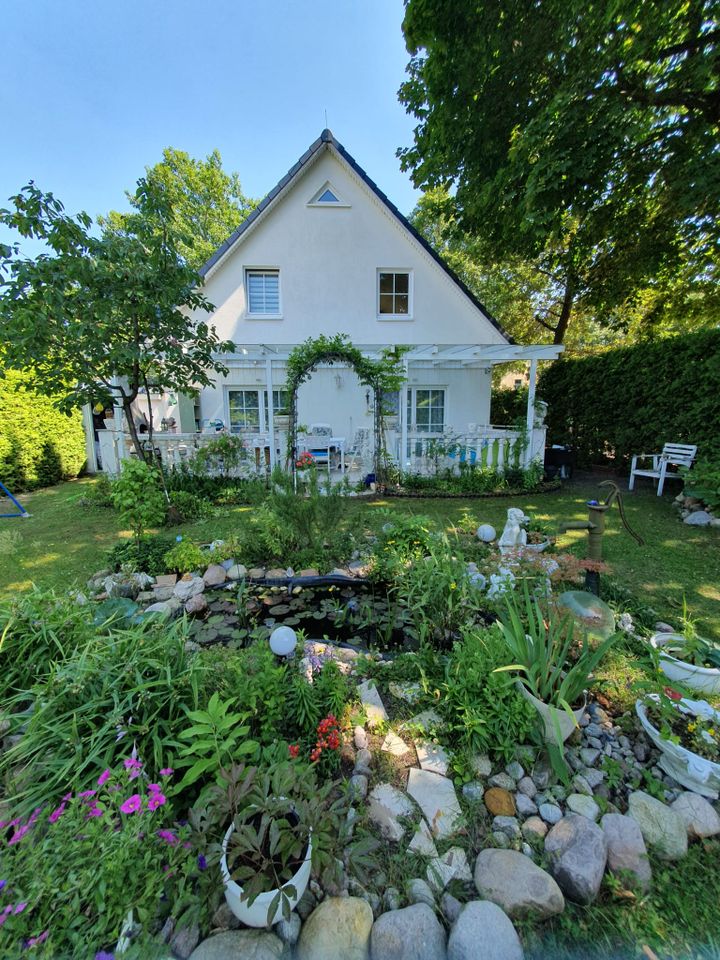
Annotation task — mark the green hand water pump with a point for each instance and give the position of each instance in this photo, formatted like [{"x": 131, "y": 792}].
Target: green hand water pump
[{"x": 595, "y": 526}]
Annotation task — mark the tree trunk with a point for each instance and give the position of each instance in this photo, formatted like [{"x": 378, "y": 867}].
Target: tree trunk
[
  {"x": 565, "y": 312},
  {"x": 127, "y": 409}
]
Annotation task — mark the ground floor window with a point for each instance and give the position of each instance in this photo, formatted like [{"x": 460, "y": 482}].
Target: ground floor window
[
  {"x": 249, "y": 409},
  {"x": 426, "y": 409}
]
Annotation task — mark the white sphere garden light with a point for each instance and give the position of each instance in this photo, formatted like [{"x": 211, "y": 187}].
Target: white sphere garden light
[
  {"x": 486, "y": 533},
  {"x": 283, "y": 641}
]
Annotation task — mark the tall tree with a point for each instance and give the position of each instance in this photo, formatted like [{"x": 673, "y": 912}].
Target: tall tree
[
  {"x": 104, "y": 317},
  {"x": 208, "y": 203},
  {"x": 580, "y": 131}
]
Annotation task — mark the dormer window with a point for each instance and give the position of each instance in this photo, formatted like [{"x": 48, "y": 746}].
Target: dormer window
[{"x": 327, "y": 196}]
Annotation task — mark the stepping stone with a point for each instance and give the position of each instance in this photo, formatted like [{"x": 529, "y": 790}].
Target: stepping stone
[
  {"x": 394, "y": 745},
  {"x": 436, "y": 797},
  {"x": 422, "y": 842},
  {"x": 663, "y": 829},
  {"x": 517, "y": 885},
  {"x": 409, "y": 692},
  {"x": 427, "y": 720},
  {"x": 431, "y": 756},
  {"x": 371, "y": 700},
  {"x": 386, "y": 804},
  {"x": 452, "y": 865}
]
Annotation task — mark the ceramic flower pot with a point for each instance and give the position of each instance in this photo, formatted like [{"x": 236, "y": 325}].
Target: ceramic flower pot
[
  {"x": 556, "y": 720},
  {"x": 257, "y": 914},
  {"x": 691, "y": 770},
  {"x": 702, "y": 679},
  {"x": 538, "y": 547}
]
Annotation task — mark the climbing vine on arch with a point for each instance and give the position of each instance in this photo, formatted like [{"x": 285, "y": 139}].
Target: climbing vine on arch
[{"x": 382, "y": 375}]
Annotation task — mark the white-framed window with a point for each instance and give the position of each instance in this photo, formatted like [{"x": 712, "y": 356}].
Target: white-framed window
[
  {"x": 394, "y": 294},
  {"x": 243, "y": 410},
  {"x": 327, "y": 196},
  {"x": 263, "y": 293},
  {"x": 426, "y": 409},
  {"x": 248, "y": 409}
]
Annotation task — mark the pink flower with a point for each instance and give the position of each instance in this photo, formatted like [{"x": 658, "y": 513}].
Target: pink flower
[
  {"x": 133, "y": 767},
  {"x": 36, "y": 941},
  {"x": 18, "y": 835},
  {"x": 132, "y": 804},
  {"x": 20, "y": 907},
  {"x": 87, "y": 793},
  {"x": 156, "y": 800},
  {"x": 168, "y": 836},
  {"x": 6, "y": 913},
  {"x": 104, "y": 777},
  {"x": 167, "y": 772},
  {"x": 94, "y": 811},
  {"x": 154, "y": 788}
]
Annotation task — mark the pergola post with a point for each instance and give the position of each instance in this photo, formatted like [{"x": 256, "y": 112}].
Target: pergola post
[
  {"x": 402, "y": 459},
  {"x": 530, "y": 421},
  {"x": 271, "y": 411}
]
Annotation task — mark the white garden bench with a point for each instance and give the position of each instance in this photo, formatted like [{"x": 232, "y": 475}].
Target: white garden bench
[{"x": 673, "y": 454}]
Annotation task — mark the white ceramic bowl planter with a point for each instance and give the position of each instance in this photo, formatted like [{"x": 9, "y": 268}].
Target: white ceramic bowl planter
[
  {"x": 538, "y": 547},
  {"x": 555, "y": 719},
  {"x": 257, "y": 914},
  {"x": 691, "y": 770},
  {"x": 702, "y": 679}
]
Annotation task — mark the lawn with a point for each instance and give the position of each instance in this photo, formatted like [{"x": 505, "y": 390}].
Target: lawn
[{"x": 63, "y": 542}]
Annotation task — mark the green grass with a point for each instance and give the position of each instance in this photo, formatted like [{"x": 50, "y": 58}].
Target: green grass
[{"x": 64, "y": 542}]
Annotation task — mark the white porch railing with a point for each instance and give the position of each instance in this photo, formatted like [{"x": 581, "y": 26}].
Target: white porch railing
[
  {"x": 494, "y": 448},
  {"x": 178, "y": 448}
]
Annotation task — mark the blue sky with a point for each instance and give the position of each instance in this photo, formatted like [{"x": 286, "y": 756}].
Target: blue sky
[{"x": 91, "y": 91}]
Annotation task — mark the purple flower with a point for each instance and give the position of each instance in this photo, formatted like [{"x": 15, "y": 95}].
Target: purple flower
[
  {"x": 156, "y": 800},
  {"x": 103, "y": 955},
  {"x": 94, "y": 811},
  {"x": 3, "y": 883},
  {"x": 168, "y": 836},
  {"x": 202, "y": 862},
  {"x": 87, "y": 793},
  {"x": 20, "y": 907},
  {"x": 154, "y": 788},
  {"x": 104, "y": 777},
  {"x": 167, "y": 772},
  {"x": 133, "y": 767},
  {"x": 56, "y": 814},
  {"x": 18, "y": 835},
  {"x": 132, "y": 804},
  {"x": 36, "y": 941}
]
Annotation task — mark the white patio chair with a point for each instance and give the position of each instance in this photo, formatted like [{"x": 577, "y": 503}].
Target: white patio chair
[{"x": 673, "y": 454}]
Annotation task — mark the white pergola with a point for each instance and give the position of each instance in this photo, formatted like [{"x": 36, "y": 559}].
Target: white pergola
[{"x": 419, "y": 356}]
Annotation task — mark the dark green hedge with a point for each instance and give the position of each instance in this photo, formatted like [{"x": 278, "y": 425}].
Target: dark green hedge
[
  {"x": 635, "y": 399},
  {"x": 39, "y": 445}
]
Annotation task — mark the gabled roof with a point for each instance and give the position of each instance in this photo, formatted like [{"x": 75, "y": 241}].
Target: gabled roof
[{"x": 323, "y": 142}]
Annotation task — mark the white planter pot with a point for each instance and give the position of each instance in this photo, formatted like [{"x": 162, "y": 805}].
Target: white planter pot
[
  {"x": 257, "y": 914},
  {"x": 702, "y": 679},
  {"x": 691, "y": 770},
  {"x": 555, "y": 719},
  {"x": 538, "y": 547}
]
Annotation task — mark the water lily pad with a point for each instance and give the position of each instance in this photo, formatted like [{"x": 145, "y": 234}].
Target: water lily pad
[
  {"x": 592, "y": 613},
  {"x": 280, "y": 609}
]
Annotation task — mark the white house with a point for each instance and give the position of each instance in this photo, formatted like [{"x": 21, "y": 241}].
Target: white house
[{"x": 327, "y": 252}]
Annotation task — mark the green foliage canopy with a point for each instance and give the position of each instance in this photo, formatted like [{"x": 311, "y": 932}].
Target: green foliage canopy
[
  {"x": 208, "y": 203},
  {"x": 585, "y": 132},
  {"x": 103, "y": 318}
]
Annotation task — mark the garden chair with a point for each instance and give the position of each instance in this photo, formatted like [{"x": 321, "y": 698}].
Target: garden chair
[{"x": 673, "y": 454}]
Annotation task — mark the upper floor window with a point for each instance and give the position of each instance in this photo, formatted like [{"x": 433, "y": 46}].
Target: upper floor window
[
  {"x": 394, "y": 293},
  {"x": 263, "y": 293}
]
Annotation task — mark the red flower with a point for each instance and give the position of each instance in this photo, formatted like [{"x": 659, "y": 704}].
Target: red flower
[
  {"x": 294, "y": 750},
  {"x": 673, "y": 694}
]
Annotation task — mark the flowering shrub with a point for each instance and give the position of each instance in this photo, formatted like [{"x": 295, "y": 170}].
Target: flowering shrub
[
  {"x": 328, "y": 737},
  {"x": 69, "y": 875},
  {"x": 305, "y": 461}
]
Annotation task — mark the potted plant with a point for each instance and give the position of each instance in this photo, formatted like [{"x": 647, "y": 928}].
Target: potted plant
[
  {"x": 555, "y": 668},
  {"x": 688, "y": 658},
  {"x": 538, "y": 535},
  {"x": 687, "y": 734},
  {"x": 283, "y": 824}
]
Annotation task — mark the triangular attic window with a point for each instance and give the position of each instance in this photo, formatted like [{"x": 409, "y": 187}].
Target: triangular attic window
[{"x": 327, "y": 196}]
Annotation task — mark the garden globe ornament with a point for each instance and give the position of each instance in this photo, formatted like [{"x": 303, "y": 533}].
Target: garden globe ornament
[
  {"x": 283, "y": 641},
  {"x": 486, "y": 533},
  {"x": 514, "y": 536}
]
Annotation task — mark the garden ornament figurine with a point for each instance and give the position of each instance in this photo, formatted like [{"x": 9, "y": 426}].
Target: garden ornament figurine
[
  {"x": 595, "y": 526},
  {"x": 514, "y": 536}
]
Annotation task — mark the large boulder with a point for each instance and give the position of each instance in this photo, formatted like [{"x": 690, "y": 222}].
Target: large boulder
[
  {"x": 515, "y": 883},
  {"x": 414, "y": 933},
  {"x": 626, "y": 848},
  {"x": 215, "y": 575},
  {"x": 578, "y": 853},
  {"x": 338, "y": 927},
  {"x": 483, "y": 930},
  {"x": 240, "y": 945},
  {"x": 700, "y": 817},
  {"x": 663, "y": 829},
  {"x": 188, "y": 587},
  {"x": 436, "y": 797}
]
